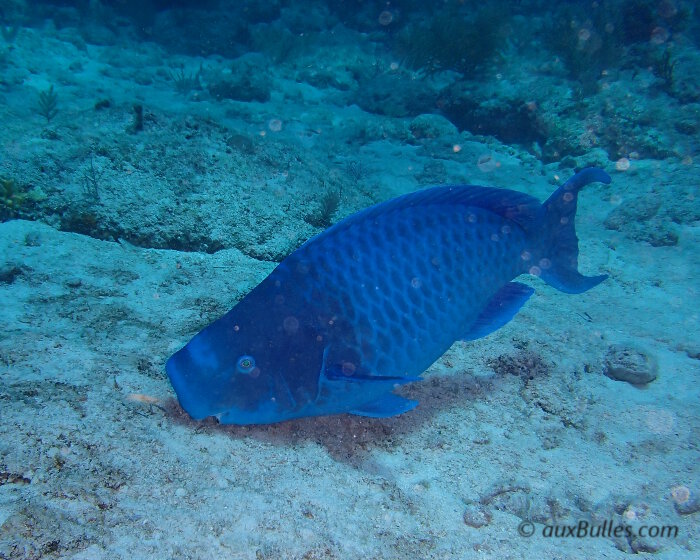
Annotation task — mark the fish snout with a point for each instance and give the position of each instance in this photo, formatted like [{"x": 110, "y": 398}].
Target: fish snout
[{"x": 192, "y": 393}]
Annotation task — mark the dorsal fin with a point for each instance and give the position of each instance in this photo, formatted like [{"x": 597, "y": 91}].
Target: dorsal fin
[{"x": 513, "y": 205}]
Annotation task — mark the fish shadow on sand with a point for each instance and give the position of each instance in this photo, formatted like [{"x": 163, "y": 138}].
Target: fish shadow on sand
[{"x": 350, "y": 438}]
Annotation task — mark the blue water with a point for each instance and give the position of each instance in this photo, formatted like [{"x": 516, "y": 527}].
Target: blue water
[{"x": 159, "y": 159}]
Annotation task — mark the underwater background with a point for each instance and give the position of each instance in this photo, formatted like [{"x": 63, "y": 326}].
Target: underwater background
[{"x": 158, "y": 160}]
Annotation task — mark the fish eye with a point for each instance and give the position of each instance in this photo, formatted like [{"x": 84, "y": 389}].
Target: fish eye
[{"x": 246, "y": 365}]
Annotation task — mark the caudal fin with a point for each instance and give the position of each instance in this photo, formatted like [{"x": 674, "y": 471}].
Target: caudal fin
[{"x": 559, "y": 249}]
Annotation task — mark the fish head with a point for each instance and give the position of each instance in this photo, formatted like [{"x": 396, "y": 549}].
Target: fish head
[
  {"x": 230, "y": 370},
  {"x": 255, "y": 365}
]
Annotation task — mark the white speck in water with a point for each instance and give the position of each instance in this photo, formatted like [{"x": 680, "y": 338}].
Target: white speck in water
[
  {"x": 622, "y": 164},
  {"x": 290, "y": 324}
]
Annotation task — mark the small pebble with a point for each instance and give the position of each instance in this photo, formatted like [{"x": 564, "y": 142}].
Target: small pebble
[
  {"x": 476, "y": 516},
  {"x": 686, "y": 505},
  {"x": 693, "y": 350},
  {"x": 639, "y": 545},
  {"x": 627, "y": 363}
]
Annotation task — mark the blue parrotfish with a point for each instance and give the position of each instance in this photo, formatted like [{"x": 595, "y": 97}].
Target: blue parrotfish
[{"x": 370, "y": 303}]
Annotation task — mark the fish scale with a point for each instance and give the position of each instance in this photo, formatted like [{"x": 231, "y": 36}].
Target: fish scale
[
  {"x": 373, "y": 301},
  {"x": 434, "y": 291}
]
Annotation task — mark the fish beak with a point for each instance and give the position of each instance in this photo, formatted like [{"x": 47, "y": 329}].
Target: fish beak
[{"x": 184, "y": 380}]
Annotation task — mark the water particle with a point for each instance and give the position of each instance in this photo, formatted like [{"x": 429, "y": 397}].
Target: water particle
[
  {"x": 415, "y": 282},
  {"x": 290, "y": 324},
  {"x": 659, "y": 36},
  {"x": 386, "y": 17},
  {"x": 630, "y": 513},
  {"x": 275, "y": 125},
  {"x": 535, "y": 270},
  {"x": 622, "y": 164}
]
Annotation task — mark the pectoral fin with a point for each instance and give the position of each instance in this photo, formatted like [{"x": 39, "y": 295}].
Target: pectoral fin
[
  {"x": 358, "y": 391},
  {"x": 500, "y": 309}
]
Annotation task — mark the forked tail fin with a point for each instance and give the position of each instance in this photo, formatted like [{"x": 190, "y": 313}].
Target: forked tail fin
[{"x": 559, "y": 249}]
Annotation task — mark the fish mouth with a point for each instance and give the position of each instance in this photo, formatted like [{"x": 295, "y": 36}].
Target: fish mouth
[{"x": 183, "y": 378}]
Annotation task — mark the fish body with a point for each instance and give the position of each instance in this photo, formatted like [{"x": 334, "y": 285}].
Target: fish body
[{"x": 374, "y": 300}]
